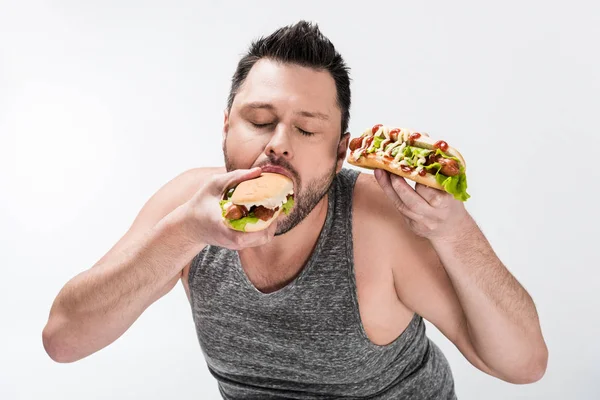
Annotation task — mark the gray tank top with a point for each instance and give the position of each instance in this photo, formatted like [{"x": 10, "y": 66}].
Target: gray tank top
[{"x": 306, "y": 340}]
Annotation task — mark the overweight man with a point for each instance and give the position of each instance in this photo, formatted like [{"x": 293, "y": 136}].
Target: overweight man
[{"x": 330, "y": 300}]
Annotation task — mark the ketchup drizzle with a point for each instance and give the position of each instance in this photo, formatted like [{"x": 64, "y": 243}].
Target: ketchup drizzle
[
  {"x": 413, "y": 137},
  {"x": 440, "y": 144},
  {"x": 375, "y": 128},
  {"x": 394, "y": 134}
]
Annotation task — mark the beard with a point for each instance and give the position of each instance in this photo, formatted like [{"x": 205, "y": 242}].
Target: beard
[{"x": 306, "y": 195}]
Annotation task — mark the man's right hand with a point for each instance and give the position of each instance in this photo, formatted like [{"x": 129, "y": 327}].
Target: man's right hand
[
  {"x": 98, "y": 305},
  {"x": 204, "y": 214}
]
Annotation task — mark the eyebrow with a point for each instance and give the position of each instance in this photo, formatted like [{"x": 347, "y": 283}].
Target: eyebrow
[
  {"x": 313, "y": 114},
  {"x": 304, "y": 113}
]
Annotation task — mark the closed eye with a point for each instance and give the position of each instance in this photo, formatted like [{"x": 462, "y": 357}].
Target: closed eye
[
  {"x": 305, "y": 133},
  {"x": 260, "y": 125}
]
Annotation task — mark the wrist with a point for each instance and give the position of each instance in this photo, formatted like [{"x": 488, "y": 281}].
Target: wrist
[
  {"x": 461, "y": 231},
  {"x": 183, "y": 224}
]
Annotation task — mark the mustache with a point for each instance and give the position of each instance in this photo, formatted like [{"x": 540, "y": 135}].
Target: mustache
[{"x": 281, "y": 162}]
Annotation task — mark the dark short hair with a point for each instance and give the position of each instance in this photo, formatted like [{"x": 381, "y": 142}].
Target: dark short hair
[{"x": 302, "y": 44}]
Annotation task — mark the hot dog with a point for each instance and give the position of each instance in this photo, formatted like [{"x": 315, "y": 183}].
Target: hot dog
[{"x": 413, "y": 155}]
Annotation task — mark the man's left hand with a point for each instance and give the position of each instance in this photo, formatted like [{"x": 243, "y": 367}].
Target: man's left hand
[{"x": 431, "y": 213}]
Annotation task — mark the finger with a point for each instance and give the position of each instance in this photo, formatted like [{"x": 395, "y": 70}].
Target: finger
[
  {"x": 383, "y": 177},
  {"x": 433, "y": 196},
  {"x": 224, "y": 182},
  {"x": 252, "y": 239},
  {"x": 271, "y": 230},
  {"x": 408, "y": 195}
]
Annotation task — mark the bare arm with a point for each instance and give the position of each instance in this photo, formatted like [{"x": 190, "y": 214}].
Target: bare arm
[
  {"x": 98, "y": 305},
  {"x": 501, "y": 318},
  {"x": 455, "y": 281}
]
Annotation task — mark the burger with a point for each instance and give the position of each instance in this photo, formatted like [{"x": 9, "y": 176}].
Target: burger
[
  {"x": 254, "y": 204},
  {"x": 413, "y": 155}
]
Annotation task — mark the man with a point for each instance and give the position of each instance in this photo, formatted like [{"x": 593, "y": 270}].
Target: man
[{"x": 330, "y": 300}]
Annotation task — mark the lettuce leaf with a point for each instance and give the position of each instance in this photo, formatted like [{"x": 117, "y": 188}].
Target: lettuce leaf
[
  {"x": 240, "y": 224},
  {"x": 440, "y": 152},
  {"x": 222, "y": 204},
  {"x": 375, "y": 145},
  {"x": 412, "y": 152},
  {"x": 287, "y": 206},
  {"x": 455, "y": 185},
  {"x": 433, "y": 168}
]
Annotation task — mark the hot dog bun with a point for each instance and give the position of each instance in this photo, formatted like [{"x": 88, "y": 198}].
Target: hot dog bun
[
  {"x": 371, "y": 161},
  {"x": 268, "y": 191}
]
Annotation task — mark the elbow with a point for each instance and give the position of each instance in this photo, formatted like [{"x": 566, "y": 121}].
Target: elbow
[
  {"x": 532, "y": 371},
  {"x": 538, "y": 368},
  {"x": 57, "y": 348}
]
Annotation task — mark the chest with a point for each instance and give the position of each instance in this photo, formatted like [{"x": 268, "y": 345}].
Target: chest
[
  {"x": 307, "y": 330},
  {"x": 277, "y": 272}
]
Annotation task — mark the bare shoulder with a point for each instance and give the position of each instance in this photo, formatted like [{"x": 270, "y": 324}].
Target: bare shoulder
[
  {"x": 163, "y": 201},
  {"x": 381, "y": 225},
  {"x": 179, "y": 189},
  {"x": 375, "y": 211},
  {"x": 379, "y": 230}
]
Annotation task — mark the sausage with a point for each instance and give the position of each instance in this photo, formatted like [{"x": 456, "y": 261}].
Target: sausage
[
  {"x": 355, "y": 143},
  {"x": 236, "y": 212},
  {"x": 449, "y": 167},
  {"x": 264, "y": 213}
]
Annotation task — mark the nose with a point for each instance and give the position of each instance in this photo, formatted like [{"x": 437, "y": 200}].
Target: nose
[{"x": 280, "y": 144}]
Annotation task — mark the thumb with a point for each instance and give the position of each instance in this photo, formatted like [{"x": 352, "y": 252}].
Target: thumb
[
  {"x": 224, "y": 182},
  {"x": 383, "y": 178}
]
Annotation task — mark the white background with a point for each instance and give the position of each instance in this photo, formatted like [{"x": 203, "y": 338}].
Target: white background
[{"x": 103, "y": 102}]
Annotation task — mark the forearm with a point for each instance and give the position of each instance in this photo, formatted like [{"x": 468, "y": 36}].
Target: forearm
[
  {"x": 97, "y": 306},
  {"x": 502, "y": 320}
]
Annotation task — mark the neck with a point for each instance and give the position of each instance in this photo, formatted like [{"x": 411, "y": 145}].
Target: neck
[{"x": 297, "y": 239}]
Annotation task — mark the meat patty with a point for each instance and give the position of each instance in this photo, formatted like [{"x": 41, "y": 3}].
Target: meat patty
[{"x": 264, "y": 213}]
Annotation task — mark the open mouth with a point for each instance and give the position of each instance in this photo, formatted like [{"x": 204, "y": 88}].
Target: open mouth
[{"x": 280, "y": 170}]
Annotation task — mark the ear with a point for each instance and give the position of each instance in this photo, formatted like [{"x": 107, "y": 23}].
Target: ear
[
  {"x": 342, "y": 150},
  {"x": 225, "y": 124}
]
